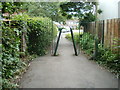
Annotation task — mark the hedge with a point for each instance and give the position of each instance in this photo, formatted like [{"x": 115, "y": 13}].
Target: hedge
[
  {"x": 40, "y": 35},
  {"x": 38, "y": 38}
]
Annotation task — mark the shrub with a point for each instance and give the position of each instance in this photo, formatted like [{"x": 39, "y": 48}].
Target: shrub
[
  {"x": 38, "y": 39},
  {"x": 109, "y": 59},
  {"x": 68, "y": 36},
  {"x": 76, "y": 37},
  {"x": 40, "y": 35},
  {"x": 86, "y": 41}
]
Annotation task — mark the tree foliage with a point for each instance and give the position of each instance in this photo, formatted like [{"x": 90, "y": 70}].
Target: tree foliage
[
  {"x": 35, "y": 9},
  {"x": 11, "y": 7},
  {"x": 45, "y": 9},
  {"x": 82, "y": 10}
]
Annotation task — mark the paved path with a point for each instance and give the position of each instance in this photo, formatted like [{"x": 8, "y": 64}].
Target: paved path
[{"x": 66, "y": 71}]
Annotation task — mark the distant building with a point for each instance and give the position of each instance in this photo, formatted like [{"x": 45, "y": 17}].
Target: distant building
[
  {"x": 72, "y": 23},
  {"x": 119, "y": 9},
  {"x": 110, "y": 8}
]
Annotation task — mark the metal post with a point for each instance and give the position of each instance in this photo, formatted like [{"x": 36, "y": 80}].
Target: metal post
[
  {"x": 73, "y": 41},
  {"x": 57, "y": 42},
  {"x": 79, "y": 39},
  {"x": 52, "y": 37}
]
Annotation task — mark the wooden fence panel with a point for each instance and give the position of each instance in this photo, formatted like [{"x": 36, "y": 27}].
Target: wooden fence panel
[
  {"x": 108, "y": 32},
  {"x": 119, "y": 36},
  {"x": 116, "y": 35}
]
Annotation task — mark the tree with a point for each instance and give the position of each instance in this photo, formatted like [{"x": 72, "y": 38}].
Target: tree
[
  {"x": 35, "y": 9},
  {"x": 45, "y": 9},
  {"x": 85, "y": 11},
  {"x": 11, "y": 7}
]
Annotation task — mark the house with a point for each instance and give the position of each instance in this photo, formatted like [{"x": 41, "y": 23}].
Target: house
[
  {"x": 72, "y": 23},
  {"x": 119, "y": 9},
  {"x": 111, "y": 9}
]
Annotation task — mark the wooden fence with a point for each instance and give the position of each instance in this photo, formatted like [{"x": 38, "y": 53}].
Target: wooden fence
[{"x": 108, "y": 32}]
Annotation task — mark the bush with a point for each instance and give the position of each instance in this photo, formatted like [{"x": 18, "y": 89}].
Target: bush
[
  {"x": 87, "y": 43},
  {"x": 76, "y": 37},
  {"x": 38, "y": 38},
  {"x": 109, "y": 59},
  {"x": 68, "y": 36},
  {"x": 40, "y": 35}
]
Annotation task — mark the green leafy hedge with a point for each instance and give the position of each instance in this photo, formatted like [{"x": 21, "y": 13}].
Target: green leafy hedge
[
  {"x": 40, "y": 35},
  {"x": 38, "y": 39},
  {"x": 105, "y": 56}
]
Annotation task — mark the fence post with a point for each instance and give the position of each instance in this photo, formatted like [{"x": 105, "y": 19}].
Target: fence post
[
  {"x": 96, "y": 40},
  {"x": 23, "y": 39},
  {"x": 52, "y": 37},
  {"x": 79, "y": 38},
  {"x": 103, "y": 34}
]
